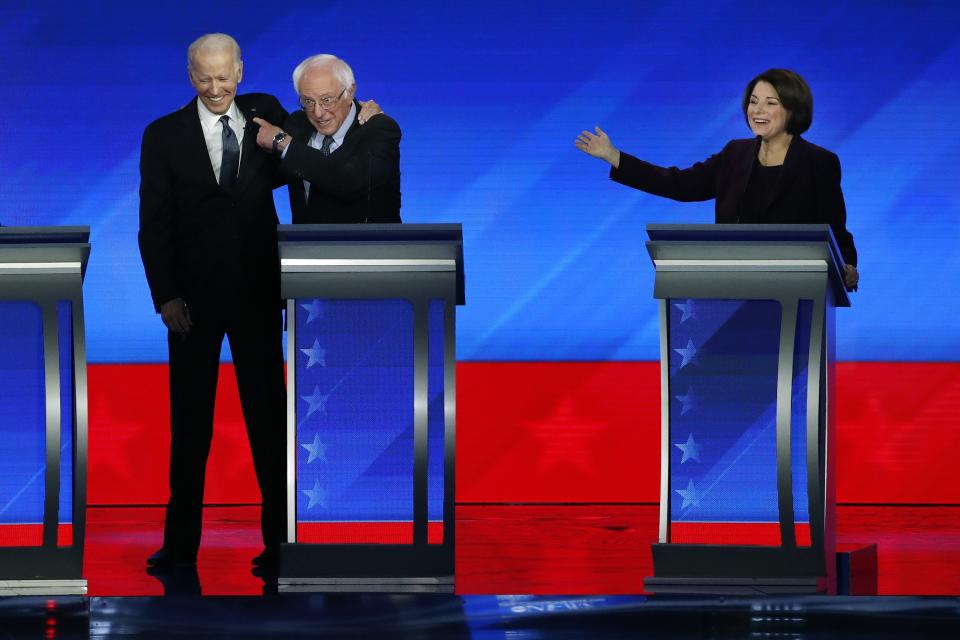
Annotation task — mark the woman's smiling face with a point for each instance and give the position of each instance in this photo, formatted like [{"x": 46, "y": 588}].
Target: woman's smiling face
[{"x": 765, "y": 115}]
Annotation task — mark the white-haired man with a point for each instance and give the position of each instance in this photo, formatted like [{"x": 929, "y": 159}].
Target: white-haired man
[
  {"x": 208, "y": 240},
  {"x": 338, "y": 171}
]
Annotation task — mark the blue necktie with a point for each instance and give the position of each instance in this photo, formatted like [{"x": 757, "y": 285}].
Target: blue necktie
[
  {"x": 325, "y": 147},
  {"x": 230, "y": 160}
]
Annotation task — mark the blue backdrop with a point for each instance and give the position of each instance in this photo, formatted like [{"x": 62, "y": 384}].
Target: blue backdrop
[{"x": 490, "y": 97}]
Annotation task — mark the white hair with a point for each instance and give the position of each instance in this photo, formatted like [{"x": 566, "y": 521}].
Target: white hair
[
  {"x": 213, "y": 42},
  {"x": 340, "y": 70}
]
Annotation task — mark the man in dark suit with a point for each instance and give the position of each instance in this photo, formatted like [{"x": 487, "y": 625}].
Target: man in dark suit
[
  {"x": 208, "y": 241},
  {"x": 337, "y": 171}
]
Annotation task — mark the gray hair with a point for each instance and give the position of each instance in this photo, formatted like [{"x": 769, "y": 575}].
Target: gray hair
[
  {"x": 212, "y": 42},
  {"x": 340, "y": 70}
]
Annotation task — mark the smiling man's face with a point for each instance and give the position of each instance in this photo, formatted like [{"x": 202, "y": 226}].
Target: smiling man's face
[{"x": 215, "y": 75}]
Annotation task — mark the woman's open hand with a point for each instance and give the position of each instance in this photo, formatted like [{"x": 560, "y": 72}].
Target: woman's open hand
[{"x": 599, "y": 146}]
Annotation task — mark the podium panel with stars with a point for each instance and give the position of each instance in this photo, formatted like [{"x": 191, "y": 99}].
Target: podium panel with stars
[
  {"x": 43, "y": 415},
  {"x": 746, "y": 319},
  {"x": 371, "y": 405}
]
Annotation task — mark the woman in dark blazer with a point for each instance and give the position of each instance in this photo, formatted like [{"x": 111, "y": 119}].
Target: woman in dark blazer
[{"x": 776, "y": 177}]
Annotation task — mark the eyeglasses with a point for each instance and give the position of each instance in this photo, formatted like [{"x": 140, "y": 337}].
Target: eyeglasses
[{"x": 309, "y": 104}]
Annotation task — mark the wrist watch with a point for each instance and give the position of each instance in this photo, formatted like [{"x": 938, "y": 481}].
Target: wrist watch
[{"x": 277, "y": 139}]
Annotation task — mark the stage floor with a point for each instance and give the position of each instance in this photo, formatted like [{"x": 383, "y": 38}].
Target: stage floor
[
  {"x": 424, "y": 617},
  {"x": 600, "y": 553},
  {"x": 520, "y": 549}
]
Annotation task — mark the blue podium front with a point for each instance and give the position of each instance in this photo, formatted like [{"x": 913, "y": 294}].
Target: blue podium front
[
  {"x": 371, "y": 405},
  {"x": 746, "y": 318},
  {"x": 43, "y": 411}
]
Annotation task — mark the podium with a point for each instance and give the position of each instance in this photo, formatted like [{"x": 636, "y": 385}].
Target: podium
[
  {"x": 747, "y": 496},
  {"x": 43, "y": 410},
  {"x": 371, "y": 405}
]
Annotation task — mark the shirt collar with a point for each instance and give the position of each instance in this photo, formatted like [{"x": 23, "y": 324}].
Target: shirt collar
[
  {"x": 208, "y": 118},
  {"x": 341, "y": 133}
]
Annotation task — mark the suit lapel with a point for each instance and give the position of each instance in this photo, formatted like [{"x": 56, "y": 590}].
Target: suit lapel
[
  {"x": 196, "y": 147},
  {"x": 250, "y": 156},
  {"x": 354, "y": 126}
]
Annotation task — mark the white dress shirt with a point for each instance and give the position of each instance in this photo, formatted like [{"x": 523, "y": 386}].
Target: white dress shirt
[{"x": 213, "y": 132}]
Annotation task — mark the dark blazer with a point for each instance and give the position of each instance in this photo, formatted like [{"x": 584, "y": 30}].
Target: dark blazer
[
  {"x": 198, "y": 241},
  {"x": 358, "y": 182},
  {"x": 807, "y": 191}
]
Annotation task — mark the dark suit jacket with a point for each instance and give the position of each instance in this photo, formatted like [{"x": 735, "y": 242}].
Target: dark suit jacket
[
  {"x": 358, "y": 182},
  {"x": 198, "y": 241},
  {"x": 807, "y": 191}
]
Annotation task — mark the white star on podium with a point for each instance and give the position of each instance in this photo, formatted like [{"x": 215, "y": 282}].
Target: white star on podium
[
  {"x": 316, "y": 495},
  {"x": 317, "y": 402},
  {"x": 690, "y": 495},
  {"x": 316, "y": 353},
  {"x": 689, "y": 353},
  {"x": 315, "y": 309},
  {"x": 691, "y": 450},
  {"x": 318, "y": 450},
  {"x": 687, "y": 402},
  {"x": 688, "y": 310}
]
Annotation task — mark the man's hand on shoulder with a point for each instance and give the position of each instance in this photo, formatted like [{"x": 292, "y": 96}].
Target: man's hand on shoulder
[{"x": 368, "y": 110}]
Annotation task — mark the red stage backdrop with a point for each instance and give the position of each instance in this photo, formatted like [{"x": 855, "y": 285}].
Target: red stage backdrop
[{"x": 551, "y": 432}]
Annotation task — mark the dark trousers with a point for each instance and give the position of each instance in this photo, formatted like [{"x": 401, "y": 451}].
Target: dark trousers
[{"x": 255, "y": 342}]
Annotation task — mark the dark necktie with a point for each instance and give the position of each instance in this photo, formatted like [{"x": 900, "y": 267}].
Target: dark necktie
[
  {"x": 230, "y": 160},
  {"x": 325, "y": 147},
  {"x": 324, "y": 151}
]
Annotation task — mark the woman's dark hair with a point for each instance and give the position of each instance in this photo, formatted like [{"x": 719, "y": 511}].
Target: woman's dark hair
[{"x": 795, "y": 96}]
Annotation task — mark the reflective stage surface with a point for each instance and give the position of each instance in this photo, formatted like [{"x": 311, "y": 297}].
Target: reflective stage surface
[
  {"x": 538, "y": 549},
  {"x": 598, "y": 550},
  {"x": 478, "y": 617}
]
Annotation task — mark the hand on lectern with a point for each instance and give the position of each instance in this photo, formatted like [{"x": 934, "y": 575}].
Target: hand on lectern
[{"x": 598, "y": 146}]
